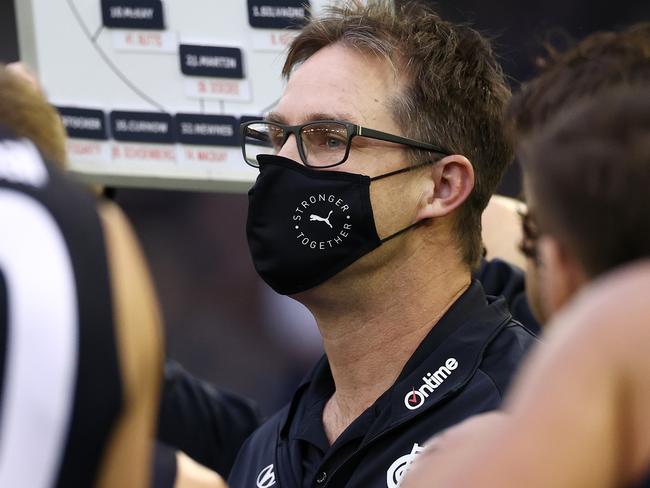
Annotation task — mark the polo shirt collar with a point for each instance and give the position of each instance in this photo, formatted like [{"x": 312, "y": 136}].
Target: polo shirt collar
[
  {"x": 441, "y": 365},
  {"x": 448, "y": 357}
]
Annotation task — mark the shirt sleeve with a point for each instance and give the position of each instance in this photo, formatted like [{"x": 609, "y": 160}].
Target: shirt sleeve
[
  {"x": 500, "y": 278},
  {"x": 206, "y": 423},
  {"x": 164, "y": 466}
]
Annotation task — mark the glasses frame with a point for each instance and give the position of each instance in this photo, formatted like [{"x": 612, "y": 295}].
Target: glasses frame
[
  {"x": 353, "y": 130},
  {"x": 530, "y": 234}
]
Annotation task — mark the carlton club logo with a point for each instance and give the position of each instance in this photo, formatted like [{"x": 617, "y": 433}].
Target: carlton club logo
[
  {"x": 266, "y": 478},
  {"x": 322, "y": 221},
  {"x": 400, "y": 467},
  {"x": 415, "y": 399}
]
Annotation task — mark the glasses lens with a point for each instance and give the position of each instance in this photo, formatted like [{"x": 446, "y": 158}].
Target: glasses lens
[
  {"x": 324, "y": 143},
  {"x": 261, "y": 138}
]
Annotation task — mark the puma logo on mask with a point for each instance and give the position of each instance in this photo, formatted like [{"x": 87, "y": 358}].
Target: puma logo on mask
[{"x": 314, "y": 217}]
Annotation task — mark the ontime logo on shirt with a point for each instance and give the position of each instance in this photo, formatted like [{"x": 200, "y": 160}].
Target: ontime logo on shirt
[{"x": 415, "y": 399}]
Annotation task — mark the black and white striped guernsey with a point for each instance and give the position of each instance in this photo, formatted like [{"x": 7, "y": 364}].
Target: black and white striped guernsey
[{"x": 60, "y": 386}]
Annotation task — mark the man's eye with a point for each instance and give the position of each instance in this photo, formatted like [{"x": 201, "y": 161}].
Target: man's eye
[
  {"x": 334, "y": 143},
  {"x": 325, "y": 137}
]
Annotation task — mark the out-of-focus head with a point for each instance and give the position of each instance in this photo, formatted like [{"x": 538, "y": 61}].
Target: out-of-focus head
[
  {"x": 438, "y": 82},
  {"x": 597, "y": 64},
  {"x": 587, "y": 175},
  {"x": 25, "y": 112}
]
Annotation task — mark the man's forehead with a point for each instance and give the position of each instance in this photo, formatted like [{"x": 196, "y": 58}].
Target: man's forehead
[{"x": 337, "y": 83}]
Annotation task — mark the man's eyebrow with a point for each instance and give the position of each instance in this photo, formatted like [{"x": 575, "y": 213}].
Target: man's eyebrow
[
  {"x": 275, "y": 117},
  {"x": 339, "y": 116}
]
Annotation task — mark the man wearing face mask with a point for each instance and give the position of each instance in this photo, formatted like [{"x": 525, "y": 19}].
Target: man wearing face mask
[{"x": 375, "y": 167}]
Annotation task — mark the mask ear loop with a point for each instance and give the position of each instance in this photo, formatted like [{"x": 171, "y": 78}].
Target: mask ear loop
[
  {"x": 402, "y": 170},
  {"x": 396, "y": 172}
]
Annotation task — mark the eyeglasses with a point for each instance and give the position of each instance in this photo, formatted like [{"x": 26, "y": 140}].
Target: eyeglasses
[
  {"x": 530, "y": 234},
  {"x": 321, "y": 144}
]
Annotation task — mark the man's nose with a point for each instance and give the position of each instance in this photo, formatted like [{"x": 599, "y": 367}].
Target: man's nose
[{"x": 290, "y": 149}]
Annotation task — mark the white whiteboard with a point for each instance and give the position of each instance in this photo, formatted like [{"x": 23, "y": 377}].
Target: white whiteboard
[{"x": 85, "y": 65}]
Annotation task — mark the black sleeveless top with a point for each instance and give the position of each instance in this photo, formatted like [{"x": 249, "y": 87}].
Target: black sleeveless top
[{"x": 60, "y": 385}]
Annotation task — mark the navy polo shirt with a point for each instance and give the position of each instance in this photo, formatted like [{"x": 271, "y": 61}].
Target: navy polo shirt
[{"x": 462, "y": 368}]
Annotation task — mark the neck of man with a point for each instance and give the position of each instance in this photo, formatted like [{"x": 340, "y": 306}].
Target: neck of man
[{"x": 372, "y": 324}]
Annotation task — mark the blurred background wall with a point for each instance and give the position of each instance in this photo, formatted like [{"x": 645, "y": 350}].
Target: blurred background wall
[{"x": 222, "y": 322}]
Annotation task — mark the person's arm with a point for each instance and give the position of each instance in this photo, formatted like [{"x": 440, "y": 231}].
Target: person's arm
[
  {"x": 501, "y": 233},
  {"x": 191, "y": 474},
  {"x": 560, "y": 432},
  {"x": 174, "y": 469},
  {"x": 205, "y": 422},
  {"x": 578, "y": 413},
  {"x": 127, "y": 458},
  {"x": 505, "y": 269}
]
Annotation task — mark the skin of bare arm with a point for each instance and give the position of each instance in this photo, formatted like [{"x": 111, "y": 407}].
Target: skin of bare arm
[
  {"x": 501, "y": 224},
  {"x": 127, "y": 458},
  {"x": 191, "y": 474}
]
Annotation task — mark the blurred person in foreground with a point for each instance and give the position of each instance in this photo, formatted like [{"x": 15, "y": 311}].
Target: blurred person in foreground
[
  {"x": 599, "y": 199},
  {"x": 98, "y": 412},
  {"x": 598, "y": 63},
  {"x": 577, "y": 416},
  {"x": 80, "y": 341},
  {"x": 375, "y": 168}
]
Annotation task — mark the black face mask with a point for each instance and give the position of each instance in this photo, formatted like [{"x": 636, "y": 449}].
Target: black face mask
[{"x": 306, "y": 225}]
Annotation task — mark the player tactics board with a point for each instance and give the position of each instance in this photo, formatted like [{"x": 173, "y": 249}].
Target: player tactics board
[{"x": 152, "y": 92}]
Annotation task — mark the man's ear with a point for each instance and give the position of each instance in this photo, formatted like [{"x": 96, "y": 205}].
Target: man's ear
[
  {"x": 450, "y": 182},
  {"x": 560, "y": 274}
]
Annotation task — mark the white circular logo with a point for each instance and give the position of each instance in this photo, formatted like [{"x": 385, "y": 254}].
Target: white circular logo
[
  {"x": 266, "y": 477},
  {"x": 400, "y": 467},
  {"x": 414, "y": 399},
  {"x": 322, "y": 221}
]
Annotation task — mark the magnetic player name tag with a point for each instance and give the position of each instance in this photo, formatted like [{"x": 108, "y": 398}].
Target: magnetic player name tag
[
  {"x": 272, "y": 40},
  {"x": 145, "y": 41},
  {"x": 218, "y": 89},
  {"x": 278, "y": 14},
  {"x": 133, "y": 14},
  {"x": 85, "y": 152},
  {"x": 213, "y": 156},
  {"x": 83, "y": 123},
  {"x": 209, "y": 130},
  {"x": 211, "y": 61},
  {"x": 142, "y": 127}
]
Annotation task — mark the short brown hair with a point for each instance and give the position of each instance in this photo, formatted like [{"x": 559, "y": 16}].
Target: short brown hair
[
  {"x": 588, "y": 172},
  {"x": 455, "y": 95},
  {"x": 25, "y": 113},
  {"x": 597, "y": 63}
]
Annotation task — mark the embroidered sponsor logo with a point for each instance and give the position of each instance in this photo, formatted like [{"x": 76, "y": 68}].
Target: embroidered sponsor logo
[
  {"x": 415, "y": 399},
  {"x": 322, "y": 221},
  {"x": 400, "y": 467},
  {"x": 266, "y": 478}
]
